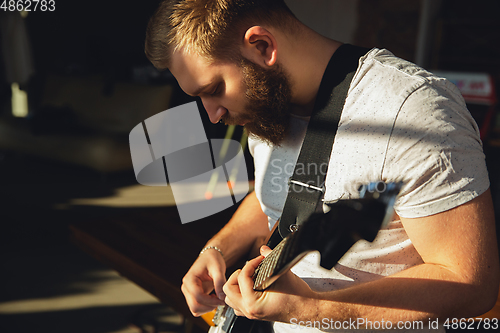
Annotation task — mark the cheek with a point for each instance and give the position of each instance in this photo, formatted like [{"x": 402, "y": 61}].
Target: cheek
[{"x": 235, "y": 101}]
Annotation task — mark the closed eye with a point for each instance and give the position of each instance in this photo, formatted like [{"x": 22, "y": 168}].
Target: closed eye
[{"x": 218, "y": 90}]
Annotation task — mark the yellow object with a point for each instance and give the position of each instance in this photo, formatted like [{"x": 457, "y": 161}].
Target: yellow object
[
  {"x": 19, "y": 101},
  {"x": 208, "y": 317}
]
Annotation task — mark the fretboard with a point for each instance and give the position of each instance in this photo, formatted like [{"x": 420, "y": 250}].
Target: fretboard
[{"x": 276, "y": 262}]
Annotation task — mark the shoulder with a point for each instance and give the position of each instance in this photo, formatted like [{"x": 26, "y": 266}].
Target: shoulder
[
  {"x": 405, "y": 123},
  {"x": 387, "y": 59},
  {"x": 380, "y": 69}
]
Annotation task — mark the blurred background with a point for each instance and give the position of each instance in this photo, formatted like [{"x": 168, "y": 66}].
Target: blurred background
[{"x": 74, "y": 82}]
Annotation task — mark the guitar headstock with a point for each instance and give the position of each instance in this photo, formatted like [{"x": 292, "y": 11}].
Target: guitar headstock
[{"x": 333, "y": 233}]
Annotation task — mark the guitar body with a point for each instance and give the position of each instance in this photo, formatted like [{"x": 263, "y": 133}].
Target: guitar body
[
  {"x": 235, "y": 324},
  {"x": 332, "y": 234}
]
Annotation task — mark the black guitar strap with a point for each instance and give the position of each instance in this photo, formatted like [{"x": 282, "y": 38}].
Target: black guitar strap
[{"x": 306, "y": 186}]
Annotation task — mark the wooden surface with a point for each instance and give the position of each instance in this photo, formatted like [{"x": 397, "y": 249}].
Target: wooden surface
[{"x": 151, "y": 248}]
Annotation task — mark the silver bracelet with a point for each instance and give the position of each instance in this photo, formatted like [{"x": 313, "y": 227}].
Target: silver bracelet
[{"x": 211, "y": 247}]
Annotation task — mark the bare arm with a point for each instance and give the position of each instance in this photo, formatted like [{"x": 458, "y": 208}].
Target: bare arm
[
  {"x": 247, "y": 227},
  {"x": 459, "y": 277}
]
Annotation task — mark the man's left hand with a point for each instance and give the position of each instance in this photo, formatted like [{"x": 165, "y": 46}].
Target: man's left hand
[{"x": 278, "y": 303}]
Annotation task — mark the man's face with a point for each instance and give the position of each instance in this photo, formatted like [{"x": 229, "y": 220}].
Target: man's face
[{"x": 238, "y": 94}]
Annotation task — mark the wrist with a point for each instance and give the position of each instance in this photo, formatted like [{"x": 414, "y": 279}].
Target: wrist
[
  {"x": 308, "y": 311},
  {"x": 214, "y": 248}
]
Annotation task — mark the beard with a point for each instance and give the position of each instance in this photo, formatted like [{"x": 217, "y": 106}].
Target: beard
[{"x": 268, "y": 99}]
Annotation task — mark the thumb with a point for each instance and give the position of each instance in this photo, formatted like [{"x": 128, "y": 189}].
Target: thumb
[{"x": 265, "y": 250}]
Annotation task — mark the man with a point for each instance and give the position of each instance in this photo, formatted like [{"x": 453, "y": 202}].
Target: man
[{"x": 253, "y": 63}]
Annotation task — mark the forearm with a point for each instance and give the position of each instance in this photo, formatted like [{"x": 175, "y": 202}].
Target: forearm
[
  {"x": 420, "y": 293},
  {"x": 460, "y": 277},
  {"x": 247, "y": 226}
]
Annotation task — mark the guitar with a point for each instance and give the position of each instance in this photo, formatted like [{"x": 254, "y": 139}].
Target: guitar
[{"x": 332, "y": 234}]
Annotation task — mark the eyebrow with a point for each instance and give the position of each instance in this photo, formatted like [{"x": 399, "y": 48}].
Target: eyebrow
[{"x": 203, "y": 87}]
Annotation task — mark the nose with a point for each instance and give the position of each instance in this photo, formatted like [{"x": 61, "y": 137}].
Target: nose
[{"x": 214, "y": 110}]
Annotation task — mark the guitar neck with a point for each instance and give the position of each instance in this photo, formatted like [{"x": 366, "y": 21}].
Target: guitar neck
[{"x": 281, "y": 258}]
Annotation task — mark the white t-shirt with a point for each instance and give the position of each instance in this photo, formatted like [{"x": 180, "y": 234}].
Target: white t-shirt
[{"x": 399, "y": 123}]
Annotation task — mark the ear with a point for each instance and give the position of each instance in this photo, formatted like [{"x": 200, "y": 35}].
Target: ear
[{"x": 260, "y": 46}]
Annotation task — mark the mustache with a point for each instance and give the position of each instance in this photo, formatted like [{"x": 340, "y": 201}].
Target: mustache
[{"x": 228, "y": 119}]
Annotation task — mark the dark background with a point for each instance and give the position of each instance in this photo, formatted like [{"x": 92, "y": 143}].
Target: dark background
[{"x": 98, "y": 45}]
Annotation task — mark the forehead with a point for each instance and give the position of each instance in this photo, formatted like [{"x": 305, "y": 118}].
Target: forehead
[
  {"x": 187, "y": 63},
  {"x": 193, "y": 71}
]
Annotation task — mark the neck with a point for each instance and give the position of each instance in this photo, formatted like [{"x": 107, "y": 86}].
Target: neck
[{"x": 310, "y": 54}]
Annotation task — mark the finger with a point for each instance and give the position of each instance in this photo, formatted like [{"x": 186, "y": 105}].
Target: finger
[
  {"x": 194, "y": 289},
  {"x": 194, "y": 285},
  {"x": 234, "y": 306},
  {"x": 208, "y": 300},
  {"x": 265, "y": 250},
  {"x": 207, "y": 286},
  {"x": 197, "y": 282},
  {"x": 231, "y": 287},
  {"x": 251, "y": 265},
  {"x": 229, "y": 302},
  {"x": 232, "y": 291},
  {"x": 202, "y": 299},
  {"x": 245, "y": 280},
  {"x": 239, "y": 313},
  {"x": 219, "y": 280},
  {"x": 197, "y": 308}
]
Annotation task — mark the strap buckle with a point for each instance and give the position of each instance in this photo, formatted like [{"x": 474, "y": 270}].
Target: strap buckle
[{"x": 296, "y": 182}]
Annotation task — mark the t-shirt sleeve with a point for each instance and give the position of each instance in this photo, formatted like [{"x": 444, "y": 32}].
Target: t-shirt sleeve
[{"x": 436, "y": 149}]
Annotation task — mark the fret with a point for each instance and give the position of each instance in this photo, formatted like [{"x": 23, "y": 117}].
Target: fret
[{"x": 267, "y": 267}]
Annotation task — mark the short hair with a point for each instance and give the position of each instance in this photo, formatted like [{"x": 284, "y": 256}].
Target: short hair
[{"x": 211, "y": 28}]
